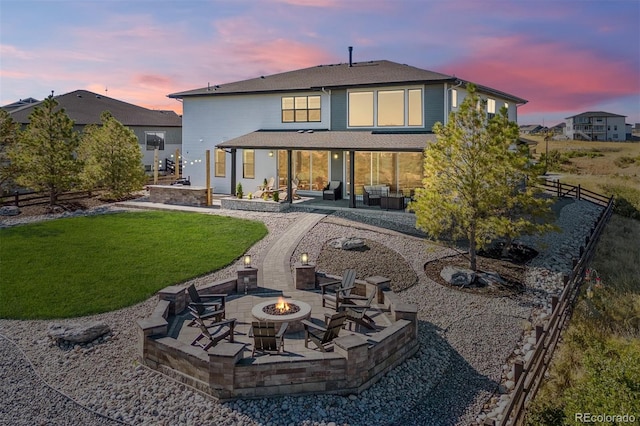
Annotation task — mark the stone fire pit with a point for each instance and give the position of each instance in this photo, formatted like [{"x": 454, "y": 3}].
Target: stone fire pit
[{"x": 296, "y": 312}]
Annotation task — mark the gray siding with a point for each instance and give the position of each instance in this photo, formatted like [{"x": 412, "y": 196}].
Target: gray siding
[
  {"x": 338, "y": 110},
  {"x": 433, "y": 105}
]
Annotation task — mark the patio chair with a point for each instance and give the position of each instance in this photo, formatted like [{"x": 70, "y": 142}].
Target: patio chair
[
  {"x": 341, "y": 292},
  {"x": 268, "y": 189},
  {"x": 294, "y": 191},
  {"x": 267, "y": 336},
  {"x": 333, "y": 191},
  {"x": 207, "y": 306},
  {"x": 357, "y": 313},
  {"x": 323, "y": 337},
  {"x": 211, "y": 334}
]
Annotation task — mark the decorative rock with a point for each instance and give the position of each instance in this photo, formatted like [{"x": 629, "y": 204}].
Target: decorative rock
[
  {"x": 9, "y": 211},
  {"x": 347, "y": 243},
  {"x": 457, "y": 276},
  {"x": 489, "y": 279},
  {"x": 77, "y": 333}
]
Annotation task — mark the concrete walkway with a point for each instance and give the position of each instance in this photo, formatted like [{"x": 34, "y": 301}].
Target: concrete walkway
[{"x": 275, "y": 270}]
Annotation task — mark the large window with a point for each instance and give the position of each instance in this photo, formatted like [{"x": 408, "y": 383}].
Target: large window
[
  {"x": 220, "y": 165},
  {"x": 248, "y": 164},
  {"x": 360, "y": 109},
  {"x": 311, "y": 168},
  {"x": 296, "y": 109},
  {"x": 154, "y": 140},
  {"x": 400, "y": 171},
  {"x": 391, "y": 108},
  {"x": 385, "y": 108}
]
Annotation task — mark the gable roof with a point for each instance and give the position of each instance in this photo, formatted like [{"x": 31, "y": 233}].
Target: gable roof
[
  {"x": 596, "y": 114},
  {"x": 85, "y": 107},
  {"x": 335, "y": 76}
]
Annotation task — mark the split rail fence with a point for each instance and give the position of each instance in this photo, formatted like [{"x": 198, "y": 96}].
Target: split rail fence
[{"x": 529, "y": 375}]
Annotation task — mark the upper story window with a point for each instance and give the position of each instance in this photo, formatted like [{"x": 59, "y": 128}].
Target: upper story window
[
  {"x": 154, "y": 140},
  {"x": 296, "y": 109},
  {"x": 220, "y": 163},
  {"x": 454, "y": 98},
  {"x": 385, "y": 108},
  {"x": 491, "y": 107}
]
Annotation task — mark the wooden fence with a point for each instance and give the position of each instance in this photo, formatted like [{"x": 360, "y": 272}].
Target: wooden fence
[
  {"x": 559, "y": 189},
  {"x": 23, "y": 199},
  {"x": 529, "y": 375}
]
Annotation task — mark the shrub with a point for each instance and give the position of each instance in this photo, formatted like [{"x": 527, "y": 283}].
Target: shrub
[
  {"x": 276, "y": 196},
  {"x": 624, "y": 161}
]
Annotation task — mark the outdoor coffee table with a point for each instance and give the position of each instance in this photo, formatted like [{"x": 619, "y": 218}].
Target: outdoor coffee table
[{"x": 392, "y": 201}]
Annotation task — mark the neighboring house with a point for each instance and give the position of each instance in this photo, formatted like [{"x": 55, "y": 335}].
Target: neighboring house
[
  {"x": 360, "y": 124},
  {"x": 152, "y": 127},
  {"x": 19, "y": 104},
  {"x": 596, "y": 126},
  {"x": 531, "y": 129},
  {"x": 558, "y": 129}
]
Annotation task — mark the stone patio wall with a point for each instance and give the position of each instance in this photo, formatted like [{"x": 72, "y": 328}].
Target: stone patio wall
[
  {"x": 178, "y": 194},
  {"x": 356, "y": 363}
]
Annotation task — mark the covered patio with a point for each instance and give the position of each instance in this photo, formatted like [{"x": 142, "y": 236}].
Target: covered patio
[{"x": 400, "y": 168}]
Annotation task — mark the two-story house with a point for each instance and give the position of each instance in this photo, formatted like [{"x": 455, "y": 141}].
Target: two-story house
[
  {"x": 596, "y": 126},
  {"x": 154, "y": 128},
  {"x": 363, "y": 123}
]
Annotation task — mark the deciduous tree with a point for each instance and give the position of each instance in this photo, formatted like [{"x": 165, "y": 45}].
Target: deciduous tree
[
  {"x": 112, "y": 158},
  {"x": 45, "y": 155},
  {"x": 474, "y": 175}
]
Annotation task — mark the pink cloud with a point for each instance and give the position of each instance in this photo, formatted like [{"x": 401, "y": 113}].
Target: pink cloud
[{"x": 553, "y": 76}]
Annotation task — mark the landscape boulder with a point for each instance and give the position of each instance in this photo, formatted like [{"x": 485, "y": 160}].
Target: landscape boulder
[
  {"x": 458, "y": 276},
  {"x": 9, "y": 211},
  {"x": 347, "y": 243},
  {"x": 489, "y": 279},
  {"x": 78, "y": 333}
]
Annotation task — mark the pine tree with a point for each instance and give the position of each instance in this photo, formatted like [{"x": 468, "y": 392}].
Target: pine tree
[
  {"x": 8, "y": 138},
  {"x": 473, "y": 180},
  {"x": 112, "y": 158},
  {"x": 45, "y": 153}
]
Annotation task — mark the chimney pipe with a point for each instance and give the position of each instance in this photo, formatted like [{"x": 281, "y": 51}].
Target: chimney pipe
[{"x": 350, "y": 56}]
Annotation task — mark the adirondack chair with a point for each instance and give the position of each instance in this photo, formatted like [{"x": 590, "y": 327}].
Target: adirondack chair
[
  {"x": 268, "y": 189},
  {"x": 323, "y": 337},
  {"x": 211, "y": 334},
  {"x": 267, "y": 336},
  {"x": 207, "y": 306},
  {"x": 337, "y": 294},
  {"x": 357, "y": 313}
]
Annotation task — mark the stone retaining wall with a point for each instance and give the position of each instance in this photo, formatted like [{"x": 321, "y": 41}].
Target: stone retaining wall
[
  {"x": 178, "y": 194},
  {"x": 254, "y": 205},
  {"x": 356, "y": 363}
]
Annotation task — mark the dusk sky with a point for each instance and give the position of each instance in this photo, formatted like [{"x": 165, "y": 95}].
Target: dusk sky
[{"x": 564, "y": 56}]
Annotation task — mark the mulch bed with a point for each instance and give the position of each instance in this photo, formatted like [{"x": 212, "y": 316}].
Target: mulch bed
[{"x": 512, "y": 273}]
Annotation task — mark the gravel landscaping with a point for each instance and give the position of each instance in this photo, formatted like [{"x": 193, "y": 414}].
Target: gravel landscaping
[{"x": 467, "y": 341}]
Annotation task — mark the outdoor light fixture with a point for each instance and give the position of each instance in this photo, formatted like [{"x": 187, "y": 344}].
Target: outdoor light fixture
[
  {"x": 304, "y": 258},
  {"x": 270, "y": 153},
  {"x": 335, "y": 156},
  {"x": 247, "y": 261}
]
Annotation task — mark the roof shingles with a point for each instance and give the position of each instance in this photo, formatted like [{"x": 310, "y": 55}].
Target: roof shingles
[{"x": 85, "y": 107}]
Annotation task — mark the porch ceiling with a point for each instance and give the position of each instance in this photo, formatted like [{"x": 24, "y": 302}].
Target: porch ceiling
[{"x": 332, "y": 140}]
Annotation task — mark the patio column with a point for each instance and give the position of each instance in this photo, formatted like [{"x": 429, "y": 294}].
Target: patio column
[
  {"x": 352, "y": 178},
  {"x": 233, "y": 171},
  {"x": 289, "y": 177}
]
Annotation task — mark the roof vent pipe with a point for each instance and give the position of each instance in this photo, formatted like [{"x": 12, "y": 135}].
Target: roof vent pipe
[{"x": 350, "y": 56}]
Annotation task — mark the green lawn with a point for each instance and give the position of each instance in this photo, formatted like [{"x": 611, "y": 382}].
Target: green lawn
[{"x": 87, "y": 265}]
